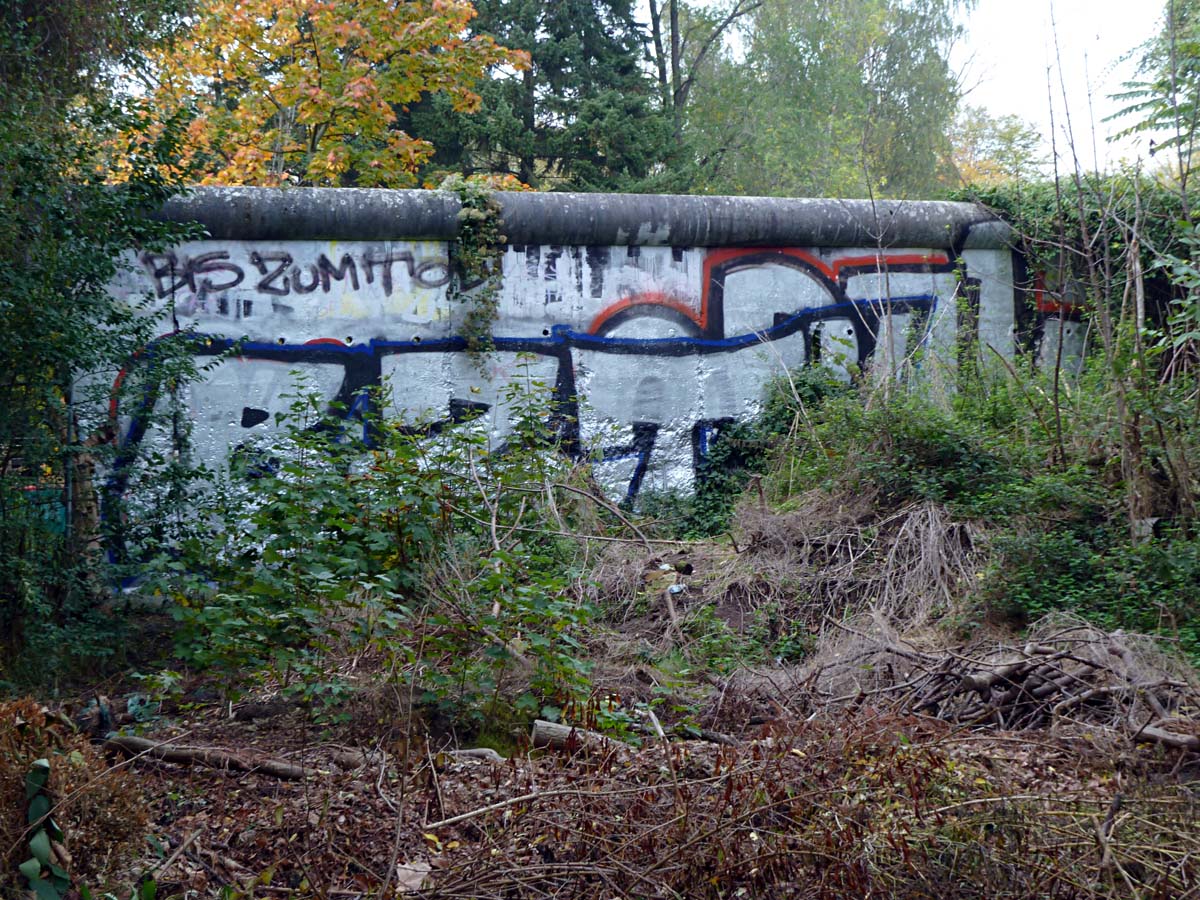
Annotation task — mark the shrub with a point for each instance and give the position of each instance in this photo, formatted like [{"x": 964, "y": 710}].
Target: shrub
[
  {"x": 1099, "y": 573},
  {"x": 427, "y": 551}
]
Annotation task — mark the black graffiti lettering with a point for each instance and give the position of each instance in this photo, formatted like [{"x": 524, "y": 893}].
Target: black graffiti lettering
[
  {"x": 575, "y": 255},
  {"x": 345, "y": 267},
  {"x": 597, "y": 260},
  {"x": 550, "y": 274},
  {"x": 206, "y": 263},
  {"x": 440, "y": 274},
  {"x": 252, "y": 416},
  {"x": 163, "y": 266},
  {"x": 298, "y": 284},
  {"x": 384, "y": 263},
  {"x": 533, "y": 260},
  {"x": 266, "y": 284}
]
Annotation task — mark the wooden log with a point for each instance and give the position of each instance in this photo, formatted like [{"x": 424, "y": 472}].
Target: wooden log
[
  {"x": 1154, "y": 735},
  {"x": 555, "y": 736},
  {"x": 212, "y": 757}
]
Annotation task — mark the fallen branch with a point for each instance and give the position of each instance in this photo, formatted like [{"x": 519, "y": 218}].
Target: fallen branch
[
  {"x": 554, "y": 736},
  {"x": 212, "y": 757},
  {"x": 1069, "y": 671},
  {"x": 1153, "y": 735}
]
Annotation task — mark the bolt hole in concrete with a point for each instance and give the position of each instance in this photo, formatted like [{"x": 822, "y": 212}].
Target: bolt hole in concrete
[
  {"x": 349, "y": 339},
  {"x": 545, "y": 332},
  {"x": 416, "y": 339},
  {"x": 282, "y": 341}
]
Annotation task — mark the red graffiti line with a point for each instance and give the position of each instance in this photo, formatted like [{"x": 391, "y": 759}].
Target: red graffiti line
[
  {"x": 832, "y": 271},
  {"x": 883, "y": 261},
  {"x": 1045, "y": 301},
  {"x": 659, "y": 299}
]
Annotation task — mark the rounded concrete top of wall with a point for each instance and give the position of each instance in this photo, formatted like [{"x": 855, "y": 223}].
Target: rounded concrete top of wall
[{"x": 590, "y": 219}]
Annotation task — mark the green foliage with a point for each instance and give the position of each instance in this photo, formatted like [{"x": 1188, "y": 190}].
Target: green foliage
[
  {"x": 477, "y": 252},
  {"x": 46, "y": 878},
  {"x": 1165, "y": 100},
  {"x": 900, "y": 449},
  {"x": 61, "y": 233},
  {"x": 845, "y": 99},
  {"x": 990, "y": 149},
  {"x": 581, "y": 117},
  {"x": 1047, "y": 217},
  {"x": 1095, "y": 571},
  {"x": 1056, "y": 536},
  {"x": 51, "y": 798},
  {"x": 426, "y": 550}
]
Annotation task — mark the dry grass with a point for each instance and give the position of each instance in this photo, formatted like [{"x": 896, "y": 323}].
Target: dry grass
[{"x": 911, "y": 565}]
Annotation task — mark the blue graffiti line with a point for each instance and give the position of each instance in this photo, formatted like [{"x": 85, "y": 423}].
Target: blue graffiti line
[{"x": 564, "y": 336}]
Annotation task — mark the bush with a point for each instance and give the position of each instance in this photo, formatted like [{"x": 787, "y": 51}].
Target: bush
[
  {"x": 1100, "y": 574},
  {"x": 61, "y": 233},
  {"x": 441, "y": 559}
]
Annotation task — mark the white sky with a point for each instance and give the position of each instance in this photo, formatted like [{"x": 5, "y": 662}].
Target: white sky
[{"x": 1009, "y": 55}]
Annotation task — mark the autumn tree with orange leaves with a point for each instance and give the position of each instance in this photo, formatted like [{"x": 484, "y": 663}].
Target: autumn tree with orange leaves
[{"x": 307, "y": 91}]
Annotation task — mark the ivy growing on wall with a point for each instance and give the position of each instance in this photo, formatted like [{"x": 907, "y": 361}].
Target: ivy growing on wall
[{"x": 476, "y": 262}]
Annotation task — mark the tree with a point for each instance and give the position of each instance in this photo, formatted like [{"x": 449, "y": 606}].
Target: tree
[
  {"x": 684, "y": 43},
  {"x": 583, "y": 114},
  {"x": 848, "y": 97},
  {"x": 988, "y": 150},
  {"x": 68, "y": 48},
  {"x": 307, "y": 91},
  {"x": 1164, "y": 101},
  {"x": 62, "y": 230}
]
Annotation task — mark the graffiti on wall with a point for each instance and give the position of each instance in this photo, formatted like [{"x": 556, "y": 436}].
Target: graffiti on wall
[{"x": 649, "y": 351}]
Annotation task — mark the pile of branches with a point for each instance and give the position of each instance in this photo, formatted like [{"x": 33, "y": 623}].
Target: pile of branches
[
  {"x": 837, "y": 554},
  {"x": 1067, "y": 671},
  {"x": 878, "y": 805}
]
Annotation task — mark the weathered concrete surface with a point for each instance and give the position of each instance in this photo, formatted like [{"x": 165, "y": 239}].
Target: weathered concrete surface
[
  {"x": 267, "y": 214},
  {"x": 653, "y": 322}
]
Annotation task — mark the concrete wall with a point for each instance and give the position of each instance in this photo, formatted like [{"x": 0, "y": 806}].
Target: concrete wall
[{"x": 655, "y": 321}]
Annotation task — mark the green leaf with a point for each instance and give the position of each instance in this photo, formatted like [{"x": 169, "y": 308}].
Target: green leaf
[
  {"x": 35, "y": 781},
  {"x": 44, "y": 889},
  {"x": 39, "y": 846},
  {"x": 38, "y": 807},
  {"x": 31, "y": 869}
]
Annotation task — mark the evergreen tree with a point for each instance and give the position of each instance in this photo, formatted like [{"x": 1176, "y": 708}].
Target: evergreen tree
[{"x": 584, "y": 115}]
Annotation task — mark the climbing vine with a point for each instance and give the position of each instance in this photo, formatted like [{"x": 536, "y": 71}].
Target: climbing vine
[{"x": 476, "y": 261}]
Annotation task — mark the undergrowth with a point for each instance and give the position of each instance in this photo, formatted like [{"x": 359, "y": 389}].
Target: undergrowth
[
  {"x": 980, "y": 510},
  {"x": 444, "y": 563}
]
